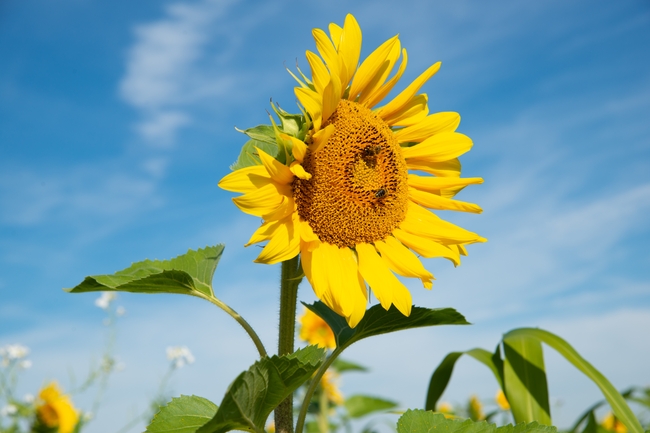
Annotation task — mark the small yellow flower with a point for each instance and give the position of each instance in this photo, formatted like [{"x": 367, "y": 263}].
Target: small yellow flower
[
  {"x": 611, "y": 423},
  {"x": 475, "y": 409},
  {"x": 346, "y": 198},
  {"x": 55, "y": 409},
  {"x": 329, "y": 384},
  {"x": 502, "y": 401},
  {"x": 315, "y": 330},
  {"x": 446, "y": 409}
]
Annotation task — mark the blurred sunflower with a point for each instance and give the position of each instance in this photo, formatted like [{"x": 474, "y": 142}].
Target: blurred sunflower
[
  {"x": 502, "y": 401},
  {"x": 55, "y": 410},
  {"x": 344, "y": 198},
  {"x": 315, "y": 330}
]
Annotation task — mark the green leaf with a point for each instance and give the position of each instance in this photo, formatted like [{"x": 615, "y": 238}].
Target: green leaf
[
  {"x": 419, "y": 421},
  {"x": 263, "y": 133},
  {"x": 248, "y": 154},
  {"x": 592, "y": 424},
  {"x": 526, "y": 387},
  {"x": 189, "y": 274},
  {"x": 378, "y": 321},
  {"x": 184, "y": 414},
  {"x": 362, "y": 405},
  {"x": 442, "y": 374},
  {"x": 341, "y": 365},
  {"x": 614, "y": 398},
  {"x": 254, "y": 394},
  {"x": 292, "y": 124}
]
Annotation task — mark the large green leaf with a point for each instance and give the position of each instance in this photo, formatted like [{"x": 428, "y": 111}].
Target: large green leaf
[
  {"x": 378, "y": 321},
  {"x": 525, "y": 379},
  {"x": 184, "y": 414},
  {"x": 419, "y": 421},
  {"x": 614, "y": 398},
  {"x": 361, "y": 405},
  {"x": 254, "y": 394},
  {"x": 442, "y": 374},
  {"x": 190, "y": 274}
]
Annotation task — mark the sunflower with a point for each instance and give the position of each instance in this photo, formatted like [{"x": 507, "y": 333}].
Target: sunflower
[
  {"x": 55, "y": 409},
  {"x": 315, "y": 330},
  {"x": 343, "y": 196}
]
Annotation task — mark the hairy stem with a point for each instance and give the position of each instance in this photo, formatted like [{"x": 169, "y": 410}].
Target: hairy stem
[{"x": 290, "y": 278}]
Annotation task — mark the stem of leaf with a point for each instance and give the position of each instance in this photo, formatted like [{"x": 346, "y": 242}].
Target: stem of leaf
[
  {"x": 290, "y": 278},
  {"x": 244, "y": 324},
  {"x": 312, "y": 387}
]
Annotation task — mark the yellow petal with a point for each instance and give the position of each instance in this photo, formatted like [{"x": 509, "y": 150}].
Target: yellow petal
[
  {"x": 327, "y": 51},
  {"x": 440, "y": 147},
  {"x": 415, "y": 111},
  {"x": 320, "y": 138},
  {"x": 355, "y": 286},
  {"x": 331, "y": 96},
  {"x": 402, "y": 261},
  {"x": 284, "y": 245},
  {"x": 279, "y": 172},
  {"x": 384, "y": 284},
  {"x": 245, "y": 179},
  {"x": 319, "y": 73},
  {"x": 434, "y": 201},
  {"x": 335, "y": 34},
  {"x": 262, "y": 201},
  {"x": 421, "y": 222},
  {"x": 286, "y": 208},
  {"x": 401, "y": 100},
  {"x": 298, "y": 147},
  {"x": 426, "y": 247},
  {"x": 299, "y": 171},
  {"x": 431, "y": 125},
  {"x": 306, "y": 233},
  {"x": 380, "y": 77},
  {"x": 379, "y": 94},
  {"x": 436, "y": 184},
  {"x": 264, "y": 232},
  {"x": 450, "y": 168},
  {"x": 349, "y": 49},
  {"x": 313, "y": 103},
  {"x": 371, "y": 67}
]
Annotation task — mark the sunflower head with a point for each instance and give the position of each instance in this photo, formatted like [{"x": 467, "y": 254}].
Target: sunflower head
[
  {"x": 55, "y": 409},
  {"x": 349, "y": 184}
]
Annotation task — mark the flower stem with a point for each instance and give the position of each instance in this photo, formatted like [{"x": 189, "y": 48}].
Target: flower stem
[
  {"x": 244, "y": 324},
  {"x": 290, "y": 278}
]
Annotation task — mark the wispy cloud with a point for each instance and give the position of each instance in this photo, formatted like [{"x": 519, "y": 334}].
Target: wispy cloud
[{"x": 163, "y": 75}]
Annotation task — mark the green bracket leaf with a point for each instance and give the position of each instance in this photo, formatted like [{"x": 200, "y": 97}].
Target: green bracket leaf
[
  {"x": 254, "y": 394},
  {"x": 420, "y": 421},
  {"x": 361, "y": 405},
  {"x": 184, "y": 414},
  {"x": 378, "y": 321},
  {"x": 526, "y": 387},
  {"x": 189, "y": 274},
  {"x": 248, "y": 155},
  {"x": 614, "y": 398}
]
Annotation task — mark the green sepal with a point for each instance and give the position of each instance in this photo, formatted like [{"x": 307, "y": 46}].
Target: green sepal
[
  {"x": 294, "y": 125},
  {"x": 379, "y": 321},
  {"x": 184, "y": 414},
  {"x": 359, "y": 406},
  {"x": 420, "y": 421},
  {"x": 248, "y": 156},
  {"x": 254, "y": 394},
  {"x": 189, "y": 274}
]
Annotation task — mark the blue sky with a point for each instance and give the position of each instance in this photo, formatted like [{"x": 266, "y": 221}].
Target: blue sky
[{"x": 116, "y": 123}]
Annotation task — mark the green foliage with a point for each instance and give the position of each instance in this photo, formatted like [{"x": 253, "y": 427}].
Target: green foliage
[
  {"x": 254, "y": 394},
  {"x": 522, "y": 376},
  {"x": 185, "y": 414},
  {"x": 341, "y": 365},
  {"x": 189, "y": 274},
  {"x": 420, "y": 421},
  {"x": 359, "y": 406},
  {"x": 379, "y": 321}
]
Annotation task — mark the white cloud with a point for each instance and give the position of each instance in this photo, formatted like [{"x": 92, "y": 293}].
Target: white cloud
[{"x": 163, "y": 75}]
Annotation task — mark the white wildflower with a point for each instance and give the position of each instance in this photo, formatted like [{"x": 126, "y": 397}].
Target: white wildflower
[
  {"x": 28, "y": 398},
  {"x": 25, "y": 364},
  {"x": 14, "y": 351},
  {"x": 105, "y": 300},
  {"x": 120, "y": 311},
  {"x": 9, "y": 409},
  {"x": 179, "y": 355}
]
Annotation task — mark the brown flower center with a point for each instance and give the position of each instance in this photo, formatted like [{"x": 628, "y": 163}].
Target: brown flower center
[{"x": 358, "y": 192}]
